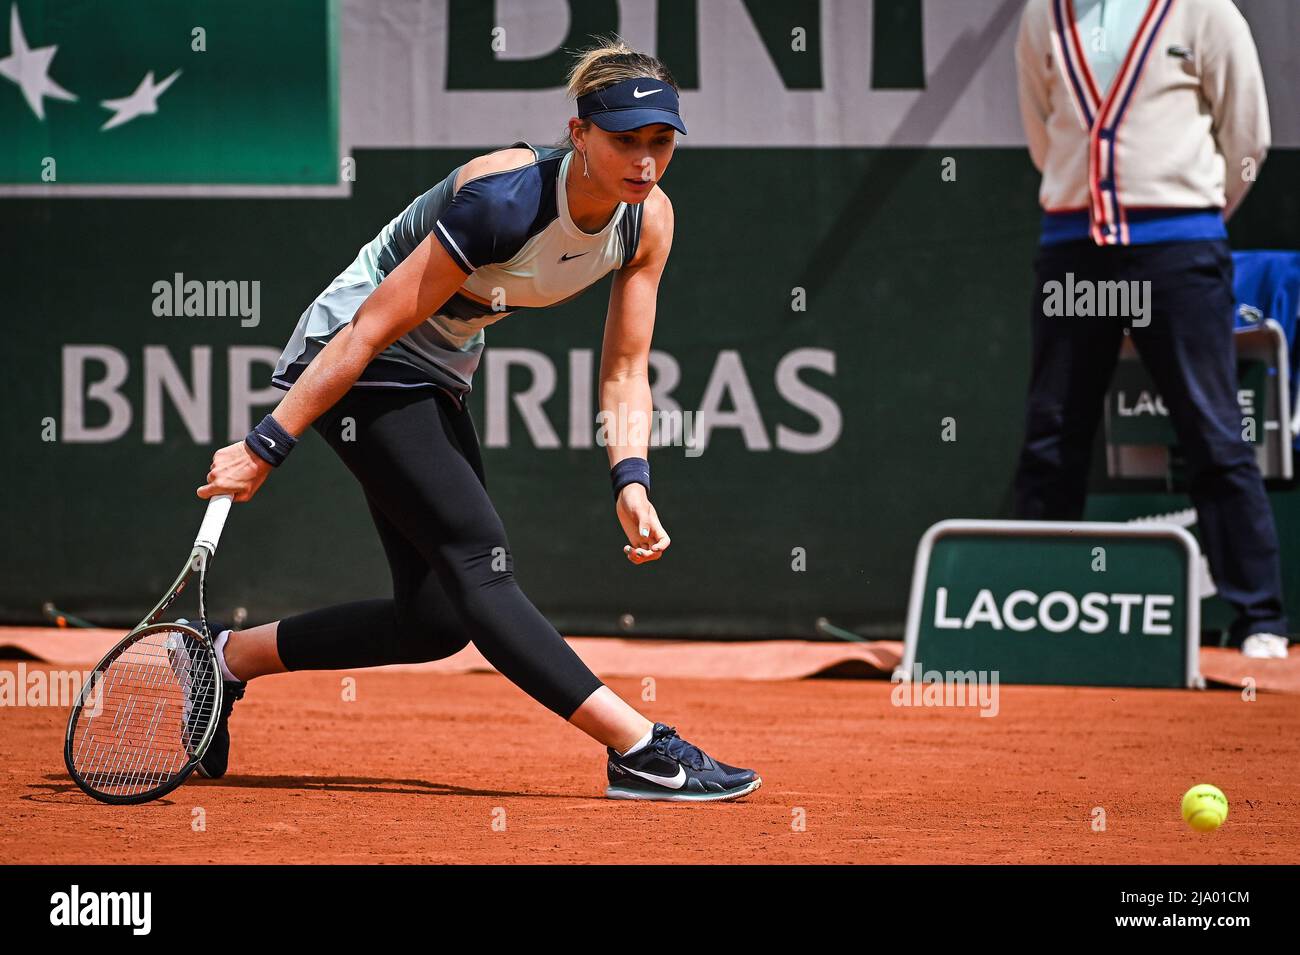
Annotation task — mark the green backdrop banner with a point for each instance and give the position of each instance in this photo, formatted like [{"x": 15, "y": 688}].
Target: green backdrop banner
[
  {"x": 841, "y": 330},
  {"x": 827, "y": 452}
]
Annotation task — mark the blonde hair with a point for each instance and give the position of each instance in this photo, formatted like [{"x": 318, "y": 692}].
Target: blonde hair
[{"x": 610, "y": 61}]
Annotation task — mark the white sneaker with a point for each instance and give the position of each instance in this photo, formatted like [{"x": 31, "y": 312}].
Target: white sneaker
[{"x": 1264, "y": 646}]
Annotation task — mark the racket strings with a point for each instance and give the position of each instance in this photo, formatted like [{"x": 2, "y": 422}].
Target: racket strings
[{"x": 146, "y": 713}]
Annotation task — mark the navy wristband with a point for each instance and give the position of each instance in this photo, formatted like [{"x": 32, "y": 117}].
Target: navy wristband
[
  {"x": 270, "y": 442},
  {"x": 630, "y": 471}
]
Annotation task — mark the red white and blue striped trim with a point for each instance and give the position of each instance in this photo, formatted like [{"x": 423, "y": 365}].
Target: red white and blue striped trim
[
  {"x": 1143, "y": 226},
  {"x": 1083, "y": 90},
  {"x": 1109, "y": 225},
  {"x": 1108, "y": 220}
]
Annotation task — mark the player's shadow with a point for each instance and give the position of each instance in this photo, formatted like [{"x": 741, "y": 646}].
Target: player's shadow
[
  {"x": 361, "y": 784},
  {"x": 57, "y": 785}
]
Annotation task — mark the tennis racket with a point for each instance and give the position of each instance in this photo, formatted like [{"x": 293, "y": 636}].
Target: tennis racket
[{"x": 146, "y": 715}]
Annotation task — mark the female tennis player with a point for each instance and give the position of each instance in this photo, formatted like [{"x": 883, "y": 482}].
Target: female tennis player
[{"x": 389, "y": 351}]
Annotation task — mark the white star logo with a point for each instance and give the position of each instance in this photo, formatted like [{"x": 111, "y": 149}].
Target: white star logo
[
  {"x": 30, "y": 69},
  {"x": 143, "y": 101}
]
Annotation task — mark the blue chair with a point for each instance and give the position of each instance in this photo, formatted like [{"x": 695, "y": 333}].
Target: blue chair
[{"x": 1267, "y": 286}]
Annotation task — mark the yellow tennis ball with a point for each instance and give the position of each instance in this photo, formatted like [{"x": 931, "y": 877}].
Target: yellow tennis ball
[{"x": 1205, "y": 807}]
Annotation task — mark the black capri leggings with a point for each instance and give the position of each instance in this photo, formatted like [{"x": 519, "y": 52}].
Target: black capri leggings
[{"x": 417, "y": 457}]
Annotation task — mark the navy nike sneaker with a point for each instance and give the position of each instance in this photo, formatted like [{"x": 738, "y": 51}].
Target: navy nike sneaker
[
  {"x": 214, "y": 761},
  {"x": 669, "y": 768}
]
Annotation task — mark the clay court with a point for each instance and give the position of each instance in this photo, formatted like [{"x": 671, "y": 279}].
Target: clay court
[{"x": 420, "y": 766}]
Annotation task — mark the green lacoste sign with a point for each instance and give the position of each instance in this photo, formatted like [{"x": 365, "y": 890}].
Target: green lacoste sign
[
  {"x": 157, "y": 92},
  {"x": 1090, "y": 604},
  {"x": 1136, "y": 414}
]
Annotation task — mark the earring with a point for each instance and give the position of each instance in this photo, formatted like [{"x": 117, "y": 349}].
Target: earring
[{"x": 585, "y": 171}]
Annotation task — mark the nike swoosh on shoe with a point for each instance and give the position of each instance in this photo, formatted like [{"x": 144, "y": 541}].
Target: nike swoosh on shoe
[{"x": 669, "y": 782}]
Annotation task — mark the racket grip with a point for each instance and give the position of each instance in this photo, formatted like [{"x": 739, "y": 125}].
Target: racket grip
[{"x": 214, "y": 519}]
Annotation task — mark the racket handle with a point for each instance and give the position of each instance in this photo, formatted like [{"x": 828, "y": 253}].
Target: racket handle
[{"x": 213, "y": 521}]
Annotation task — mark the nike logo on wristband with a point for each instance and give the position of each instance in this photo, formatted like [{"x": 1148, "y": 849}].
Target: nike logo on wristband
[{"x": 267, "y": 440}]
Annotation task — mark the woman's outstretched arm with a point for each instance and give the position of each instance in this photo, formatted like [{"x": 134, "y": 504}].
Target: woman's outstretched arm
[
  {"x": 424, "y": 281},
  {"x": 625, "y": 403}
]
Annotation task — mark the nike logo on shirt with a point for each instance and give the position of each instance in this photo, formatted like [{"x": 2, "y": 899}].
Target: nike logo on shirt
[{"x": 566, "y": 256}]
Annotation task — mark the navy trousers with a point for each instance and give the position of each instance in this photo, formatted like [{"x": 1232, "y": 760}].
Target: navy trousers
[{"x": 1188, "y": 349}]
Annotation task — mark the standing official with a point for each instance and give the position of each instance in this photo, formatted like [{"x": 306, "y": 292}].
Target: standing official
[{"x": 1148, "y": 120}]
